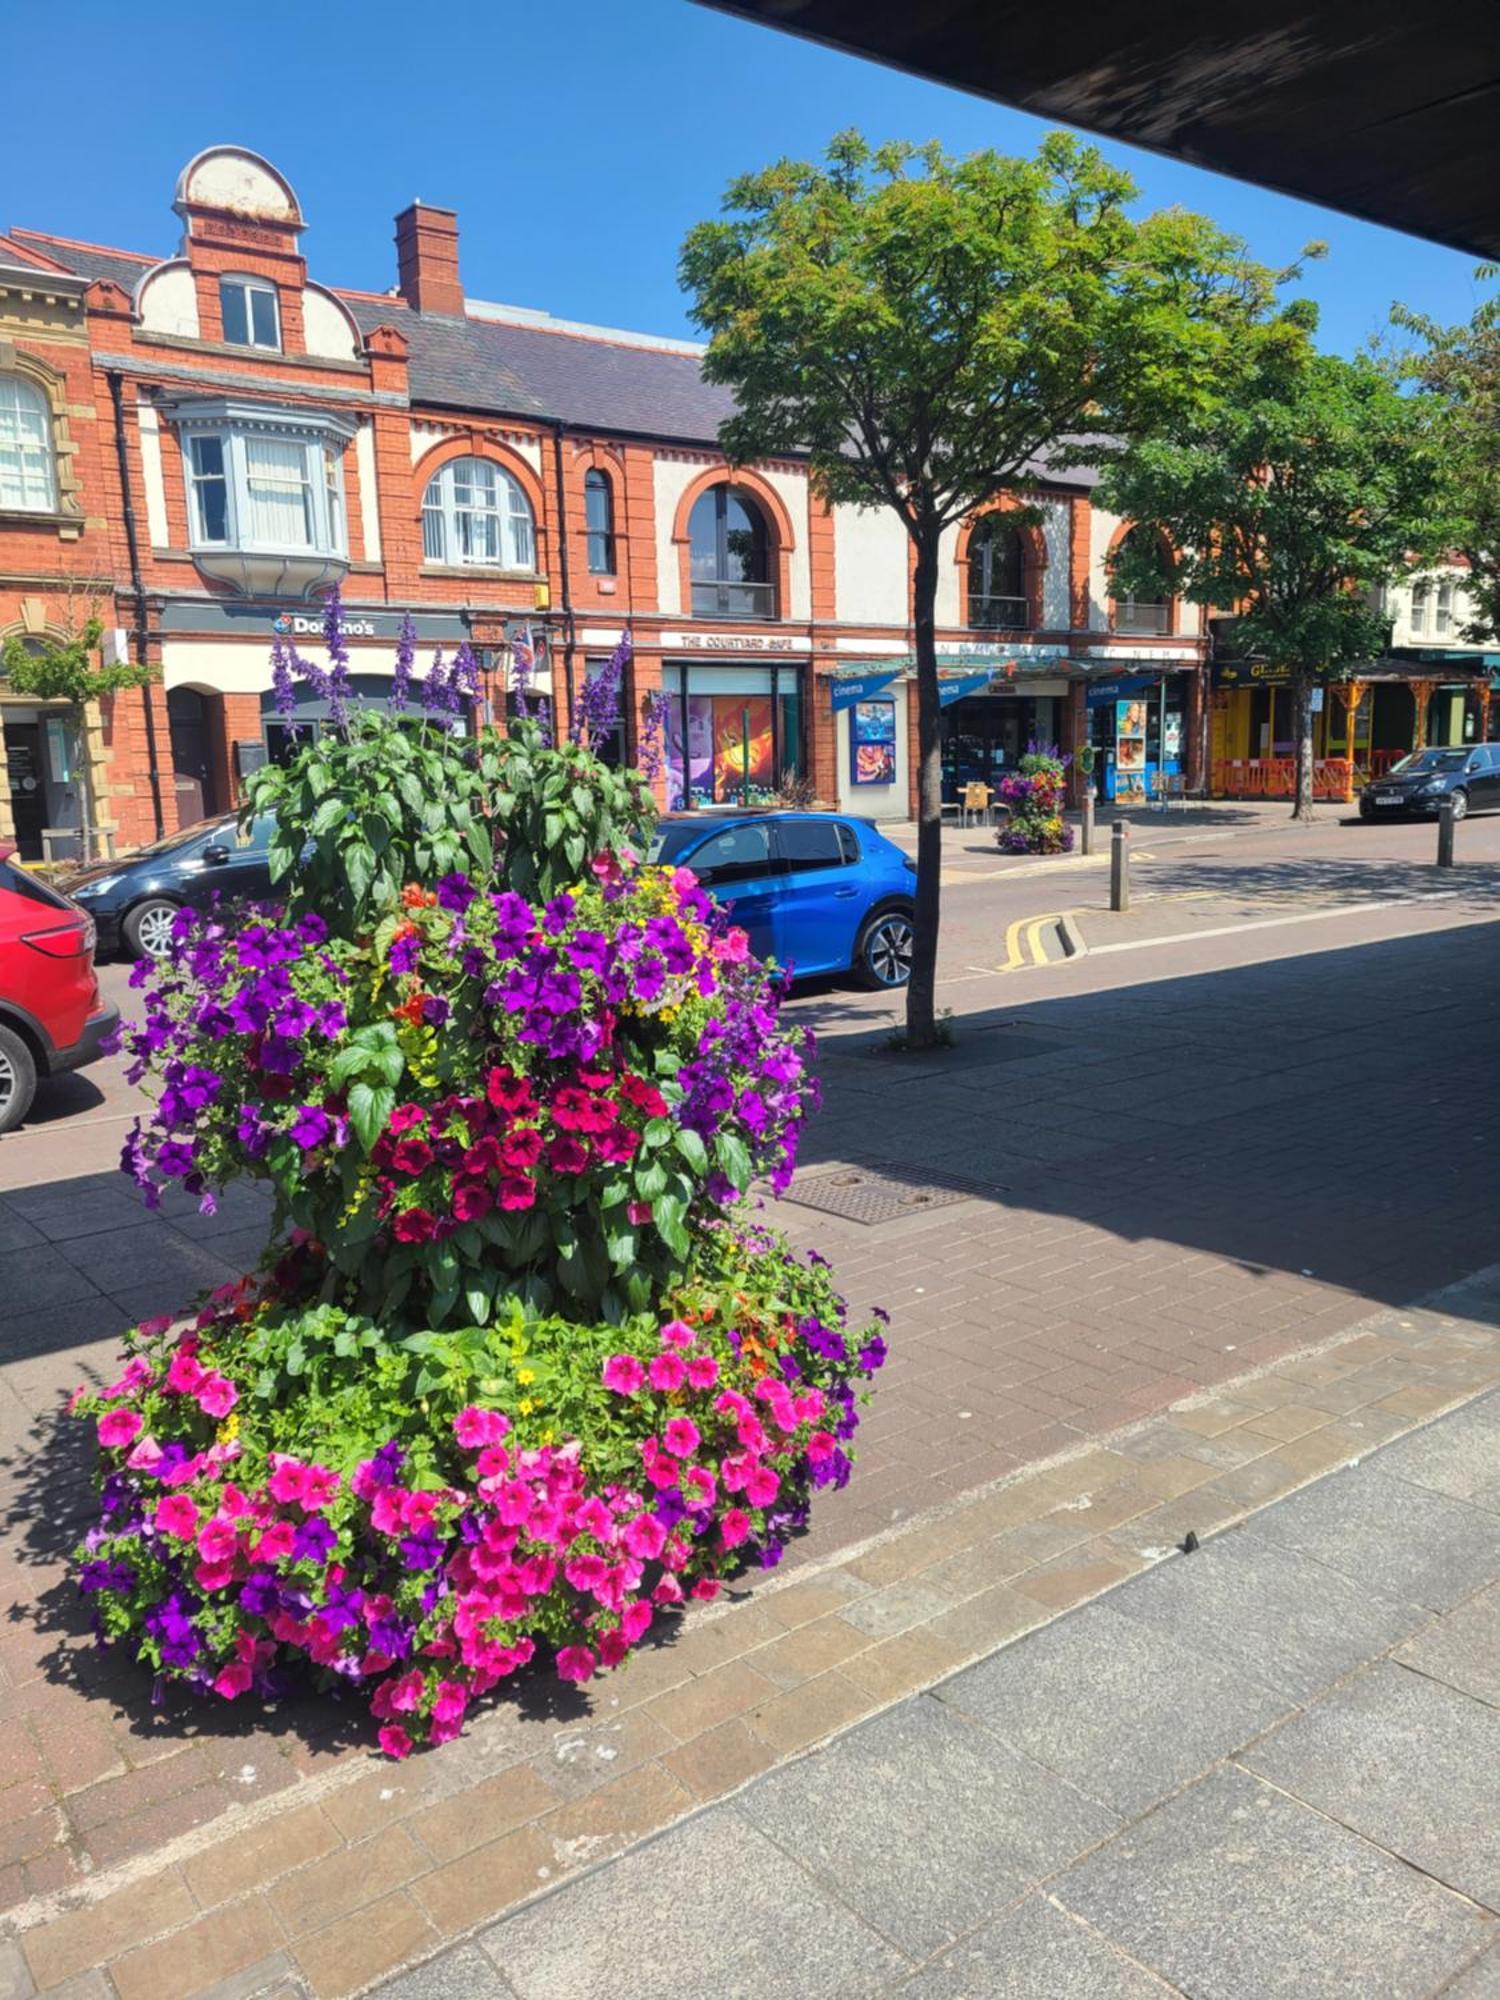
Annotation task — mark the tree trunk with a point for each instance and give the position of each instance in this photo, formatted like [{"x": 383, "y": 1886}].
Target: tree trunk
[
  {"x": 1302, "y": 710},
  {"x": 921, "y": 996}
]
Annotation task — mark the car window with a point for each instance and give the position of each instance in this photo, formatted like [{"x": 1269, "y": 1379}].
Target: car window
[
  {"x": 849, "y": 841},
  {"x": 19, "y": 883},
  {"x": 810, "y": 843},
  {"x": 671, "y": 837},
  {"x": 1430, "y": 760},
  {"x": 733, "y": 855}
]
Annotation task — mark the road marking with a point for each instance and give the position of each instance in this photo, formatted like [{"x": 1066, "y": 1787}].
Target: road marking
[
  {"x": 1263, "y": 924},
  {"x": 1022, "y": 938}
]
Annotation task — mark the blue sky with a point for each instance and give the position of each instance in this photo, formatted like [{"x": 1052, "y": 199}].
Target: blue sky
[{"x": 578, "y": 140}]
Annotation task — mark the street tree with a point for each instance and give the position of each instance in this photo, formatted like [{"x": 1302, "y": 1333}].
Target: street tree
[
  {"x": 1288, "y": 502},
  {"x": 1459, "y": 368},
  {"x": 930, "y": 332}
]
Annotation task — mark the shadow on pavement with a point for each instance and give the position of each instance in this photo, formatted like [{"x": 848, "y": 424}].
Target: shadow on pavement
[{"x": 1328, "y": 1114}]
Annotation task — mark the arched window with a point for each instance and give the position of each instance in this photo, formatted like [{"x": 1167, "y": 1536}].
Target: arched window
[
  {"x": 997, "y": 577},
  {"x": 475, "y": 514},
  {"x": 730, "y": 555},
  {"x": 28, "y": 478},
  {"x": 599, "y": 521},
  {"x": 1151, "y": 613}
]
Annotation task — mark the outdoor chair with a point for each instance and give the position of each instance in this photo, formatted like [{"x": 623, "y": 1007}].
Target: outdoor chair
[{"x": 977, "y": 800}]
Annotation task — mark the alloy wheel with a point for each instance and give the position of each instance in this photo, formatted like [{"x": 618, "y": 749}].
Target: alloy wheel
[
  {"x": 888, "y": 950},
  {"x": 154, "y": 929}
]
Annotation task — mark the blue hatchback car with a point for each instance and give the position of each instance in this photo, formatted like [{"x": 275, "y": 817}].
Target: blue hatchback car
[{"x": 817, "y": 892}]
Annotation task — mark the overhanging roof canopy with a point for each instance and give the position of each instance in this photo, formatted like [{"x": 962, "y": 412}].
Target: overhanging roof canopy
[{"x": 1384, "y": 108}]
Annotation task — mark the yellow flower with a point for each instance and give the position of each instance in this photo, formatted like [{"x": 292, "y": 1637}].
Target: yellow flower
[
  {"x": 525, "y": 1376},
  {"x": 526, "y": 1406},
  {"x": 229, "y": 1429}
]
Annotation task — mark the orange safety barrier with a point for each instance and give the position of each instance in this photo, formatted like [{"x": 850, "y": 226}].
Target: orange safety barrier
[{"x": 1276, "y": 777}]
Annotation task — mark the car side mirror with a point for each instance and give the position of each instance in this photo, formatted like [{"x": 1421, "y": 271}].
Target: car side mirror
[{"x": 215, "y": 856}]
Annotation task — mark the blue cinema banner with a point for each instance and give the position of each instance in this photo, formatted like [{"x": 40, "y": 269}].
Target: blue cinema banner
[
  {"x": 952, "y": 691},
  {"x": 848, "y": 693}
]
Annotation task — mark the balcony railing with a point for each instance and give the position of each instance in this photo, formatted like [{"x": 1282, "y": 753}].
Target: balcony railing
[
  {"x": 1143, "y": 617},
  {"x": 999, "y": 614},
  {"x": 734, "y": 600}
]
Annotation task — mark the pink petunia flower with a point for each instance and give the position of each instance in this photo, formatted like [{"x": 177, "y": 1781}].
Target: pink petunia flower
[
  {"x": 394, "y": 1741},
  {"x": 821, "y": 1445},
  {"x": 677, "y": 1333},
  {"x": 706, "y": 1589},
  {"x": 233, "y": 1680},
  {"x": 575, "y": 1663},
  {"x": 702, "y": 1371},
  {"x": 667, "y": 1372},
  {"x": 474, "y": 1428},
  {"x": 217, "y": 1396},
  {"x": 624, "y": 1374},
  {"x": 175, "y": 1516},
  {"x": 762, "y": 1486},
  {"x": 645, "y": 1537},
  {"x": 735, "y": 1527},
  {"x": 119, "y": 1427},
  {"x": 681, "y": 1437},
  {"x": 613, "y": 1646},
  {"x": 288, "y": 1481},
  {"x": 185, "y": 1373}
]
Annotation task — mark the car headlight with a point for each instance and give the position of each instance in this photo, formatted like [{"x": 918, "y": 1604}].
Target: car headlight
[{"x": 99, "y": 888}]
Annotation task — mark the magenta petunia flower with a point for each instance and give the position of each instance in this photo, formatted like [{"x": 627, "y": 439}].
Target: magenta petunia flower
[
  {"x": 217, "y": 1396},
  {"x": 175, "y": 1516},
  {"x": 677, "y": 1333},
  {"x": 624, "y": 1374},
  {"x": 575, "y": 1663},
  {"x": 681, "y": 1437},
  {"x": 119, "y": 1427},
  {"x": 667, "y": 1372}
]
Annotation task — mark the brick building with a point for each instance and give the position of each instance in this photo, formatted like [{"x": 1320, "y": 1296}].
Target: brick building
[{"x": 202, "y": 442}]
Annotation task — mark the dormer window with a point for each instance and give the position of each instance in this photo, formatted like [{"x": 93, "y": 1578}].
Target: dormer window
[{"x": 251, "y": 312}]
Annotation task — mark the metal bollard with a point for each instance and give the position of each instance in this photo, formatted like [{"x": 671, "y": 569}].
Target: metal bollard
[
  {"x": 1086, "y": 837},
  {"x": 1446, "y": 824},
  {"x": 1119, "y": 866}
]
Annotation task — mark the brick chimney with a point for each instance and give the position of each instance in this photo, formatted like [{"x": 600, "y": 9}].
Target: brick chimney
[{"x": 427, "y": 259}]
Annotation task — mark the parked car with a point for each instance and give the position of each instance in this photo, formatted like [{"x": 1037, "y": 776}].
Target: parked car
[
  {"x": 1421, "y": 782},
  {"x": 52, "y": 1017},
  {"x": 815, "y": 891},
  {"x": 134, "y": 899}
]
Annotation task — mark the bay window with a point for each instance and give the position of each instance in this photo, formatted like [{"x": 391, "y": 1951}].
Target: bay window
[{"x": 265, "y": 490}]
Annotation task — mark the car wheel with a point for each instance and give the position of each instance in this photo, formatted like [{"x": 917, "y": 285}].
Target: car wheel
[
  {"x": 17, "y": 1079},
  {"x": 148, "y": 928},
  {"x": 883, "y": 955},
  {"x": 1460, "y": 800}
]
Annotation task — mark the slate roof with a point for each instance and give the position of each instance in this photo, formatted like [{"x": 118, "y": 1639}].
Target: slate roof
[{"x": 498, "y": 368}]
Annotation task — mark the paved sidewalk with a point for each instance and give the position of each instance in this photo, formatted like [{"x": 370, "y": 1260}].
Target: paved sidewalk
[{"x": 1268, "y": 1768}]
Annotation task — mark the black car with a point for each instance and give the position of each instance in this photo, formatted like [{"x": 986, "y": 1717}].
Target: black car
[
  {"x": 1420, "y": 783},
  {"x": 135, "y": 899}
]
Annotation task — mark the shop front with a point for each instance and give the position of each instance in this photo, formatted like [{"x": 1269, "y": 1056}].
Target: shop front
[
  {"x": 989, "y": 723},
  {"x": 734, "y": 733},
  {"x": 1137, "y": 725},
  {"x": 45, "y": 780}
]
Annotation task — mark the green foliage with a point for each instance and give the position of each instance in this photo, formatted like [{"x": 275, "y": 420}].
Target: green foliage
[
  {"x": 1459, "y": 369},
  {"x": 66, "y": 669},
  {"x": 1291, "y": 499},
  {"x": 386, "y": 801}
]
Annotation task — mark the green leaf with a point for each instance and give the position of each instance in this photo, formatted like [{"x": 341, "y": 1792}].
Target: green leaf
[
  {"x": 734, "y": 1159},
  {"x": 369, "y": 1111},
  {"x": 690, "y": 1145}
]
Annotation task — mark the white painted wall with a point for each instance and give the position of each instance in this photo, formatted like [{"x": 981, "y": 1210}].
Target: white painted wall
[
  {"x": 1103, "y": 530},
  {"x": 369, "y": 498},
  {"x": 326, "y": 327},
  {"x": 670, "y": 479},
  {"x": 424, "y": 436},
  {"x": 240, "y": 667},
  {"x": 527, "y": 448},
  {"x": 167, "y": 301},
  {"x": 870, "y": 566},
  {"x": 151, "y": 474},
  {"x": 791, "y": 489},
  {"x": 877, "y": 801},
  {"x": 949, "y": 596},
  {"x": 1057, "y": 534}
]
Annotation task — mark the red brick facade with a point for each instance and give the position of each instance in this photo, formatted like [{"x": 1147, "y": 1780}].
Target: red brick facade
[{"x": 377, "y": 393}]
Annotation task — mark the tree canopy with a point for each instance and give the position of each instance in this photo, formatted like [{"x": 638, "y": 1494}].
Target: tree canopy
[
  {"x": 1459, "y": 368},
  {"x": 930, "y": 332}
]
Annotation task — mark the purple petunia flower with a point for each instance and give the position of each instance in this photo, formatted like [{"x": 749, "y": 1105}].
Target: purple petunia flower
[{"x": 311, "y": 1127}]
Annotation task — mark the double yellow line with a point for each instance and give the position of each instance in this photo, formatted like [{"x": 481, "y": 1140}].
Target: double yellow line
[{"x": 1023, "y": 942}]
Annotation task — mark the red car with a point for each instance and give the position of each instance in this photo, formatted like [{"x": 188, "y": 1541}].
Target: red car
[{"x": 52, "y": 1016}]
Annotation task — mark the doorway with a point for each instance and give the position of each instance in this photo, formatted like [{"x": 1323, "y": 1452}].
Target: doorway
[{"x": 192, "y": 765}]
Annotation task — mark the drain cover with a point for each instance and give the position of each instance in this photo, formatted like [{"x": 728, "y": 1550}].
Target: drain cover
[{"x": 877, "y": 1193}]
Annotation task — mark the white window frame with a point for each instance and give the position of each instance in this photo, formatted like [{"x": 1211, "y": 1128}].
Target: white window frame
[
  {"x": 450, "y": 521},
  {"x": 253, "y": 287},
  {"x": 1442, "y": 618},
  {"x": 1418, "y": 619},
  {"x": 35, "y": 460},
  {"x": 319, "y": 438}
]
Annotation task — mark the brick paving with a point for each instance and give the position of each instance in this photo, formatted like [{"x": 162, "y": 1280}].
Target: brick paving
[{"x": 1184, "y": 1186}]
